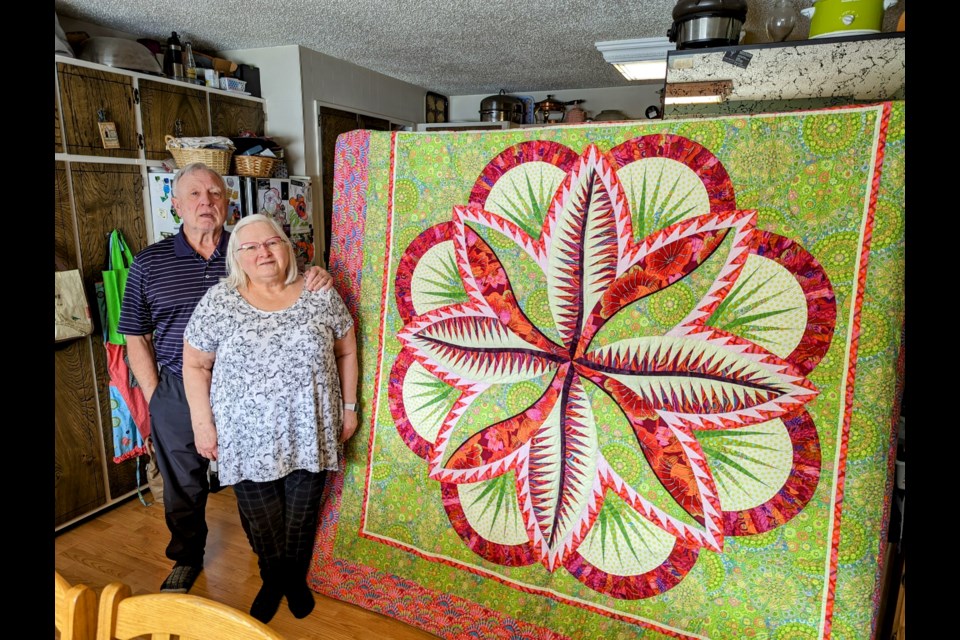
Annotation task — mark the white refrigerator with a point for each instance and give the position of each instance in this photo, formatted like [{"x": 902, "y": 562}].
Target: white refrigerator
[{"x": 287, "y": 200}]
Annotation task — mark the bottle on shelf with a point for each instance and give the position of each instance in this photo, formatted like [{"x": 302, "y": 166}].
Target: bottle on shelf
[
  {"x": 173, "y": 58},
  {"x": 189, "y": 65}
]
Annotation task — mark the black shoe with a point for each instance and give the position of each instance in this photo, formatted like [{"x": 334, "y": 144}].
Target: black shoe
[
  {"x": 300, "y": 600},
  {"x": 180, "y": 579},
  {"x": 267, "y": 602}
]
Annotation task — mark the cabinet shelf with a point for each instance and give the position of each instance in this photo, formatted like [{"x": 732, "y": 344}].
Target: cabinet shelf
[
  {"x": 149, "y": 76},
  {"x": 799, "y": 74}
]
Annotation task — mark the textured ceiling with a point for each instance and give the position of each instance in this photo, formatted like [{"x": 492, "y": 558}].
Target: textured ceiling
[{"x": 458, "y": 47}]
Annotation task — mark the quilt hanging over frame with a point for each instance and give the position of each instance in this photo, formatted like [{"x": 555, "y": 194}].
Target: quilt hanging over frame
[{"x": 621, "y": 380}]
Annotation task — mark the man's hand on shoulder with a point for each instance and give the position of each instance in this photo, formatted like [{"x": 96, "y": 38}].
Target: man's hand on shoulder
[{"x": 317, "y": 279}]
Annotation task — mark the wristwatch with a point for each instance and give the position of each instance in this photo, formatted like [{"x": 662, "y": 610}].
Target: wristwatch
[{"x": 350, "y": 406}]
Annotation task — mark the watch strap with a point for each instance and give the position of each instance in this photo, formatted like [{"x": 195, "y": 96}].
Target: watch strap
[{"x": 350, "y": 406}]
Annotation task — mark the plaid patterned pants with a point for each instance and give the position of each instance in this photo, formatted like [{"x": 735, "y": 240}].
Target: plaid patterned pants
[{"x": 282, "y": 516}]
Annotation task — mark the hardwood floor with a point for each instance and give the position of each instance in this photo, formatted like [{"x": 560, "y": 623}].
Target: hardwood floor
[{"x": 127, "y": 544}]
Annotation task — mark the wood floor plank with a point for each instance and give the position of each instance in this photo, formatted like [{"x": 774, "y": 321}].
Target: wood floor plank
[{"x": 127, "y": 543}]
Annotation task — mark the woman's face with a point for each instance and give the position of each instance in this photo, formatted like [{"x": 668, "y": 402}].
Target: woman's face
[{"x": 261, "y": 252}]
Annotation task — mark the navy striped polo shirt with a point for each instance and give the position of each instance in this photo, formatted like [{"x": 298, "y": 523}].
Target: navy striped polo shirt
[{"x": 165, "y": 283}]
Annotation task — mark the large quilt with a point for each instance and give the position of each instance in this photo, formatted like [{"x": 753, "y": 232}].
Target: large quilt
[{"x": 632, "y": 380}]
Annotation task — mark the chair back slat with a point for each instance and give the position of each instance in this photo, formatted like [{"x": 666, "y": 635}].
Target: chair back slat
[
  {"x": 75, "y": 610},
  {"x": 161, "y": 616}
]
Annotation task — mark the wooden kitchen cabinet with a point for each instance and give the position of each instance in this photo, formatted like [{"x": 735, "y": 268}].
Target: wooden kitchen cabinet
[
  {"x": 177, "y": 110},
  {"x": 229, "y": 116},
  {"x": 86, "y": 95},
  {"x": 105, "y": 196},
  {"x": 57, "y": 135},
  {"x": 78, "y": 455}
]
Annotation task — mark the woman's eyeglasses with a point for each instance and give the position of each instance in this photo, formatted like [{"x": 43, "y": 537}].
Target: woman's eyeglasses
[{"x": 250, "y": 248}]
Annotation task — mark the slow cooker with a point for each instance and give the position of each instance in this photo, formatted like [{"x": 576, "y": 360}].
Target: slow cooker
[{"x": 707, "y": 23}]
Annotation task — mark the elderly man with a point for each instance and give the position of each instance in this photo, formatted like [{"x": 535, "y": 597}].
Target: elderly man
[{"x": 165, "y": 283}]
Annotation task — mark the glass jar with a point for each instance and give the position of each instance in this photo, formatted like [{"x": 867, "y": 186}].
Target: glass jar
[{"x": 781, "y": 19}]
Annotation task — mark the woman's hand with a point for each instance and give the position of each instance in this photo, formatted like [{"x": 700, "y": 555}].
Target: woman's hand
[
  {"x": 350, "y": 422},
  {"x": 317, "y": 279},
  {"x": 197, "y": 376}
]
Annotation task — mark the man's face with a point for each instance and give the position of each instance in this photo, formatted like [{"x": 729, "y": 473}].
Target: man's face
[{"x": 201, "y": 201}]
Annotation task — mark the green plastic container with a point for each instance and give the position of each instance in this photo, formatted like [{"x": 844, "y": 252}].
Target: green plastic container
[{"x": 832, "y": 18}]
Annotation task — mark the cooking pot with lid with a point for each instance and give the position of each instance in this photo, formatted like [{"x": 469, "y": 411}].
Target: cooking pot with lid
[
  {"x": 707, "y": 23},
  {"x": 501, "y": 108},
  {"x": 549, "y": 110}
]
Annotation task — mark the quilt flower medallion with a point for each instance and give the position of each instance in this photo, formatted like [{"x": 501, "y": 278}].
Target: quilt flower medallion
[
  {"x": 693, "y": 378},
  {"x": 610, "y": 375}
]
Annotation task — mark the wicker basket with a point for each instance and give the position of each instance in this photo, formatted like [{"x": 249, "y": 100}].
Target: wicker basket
[
  {"x": 216, "y": 159},
  {"x": 255, "y": 166}
]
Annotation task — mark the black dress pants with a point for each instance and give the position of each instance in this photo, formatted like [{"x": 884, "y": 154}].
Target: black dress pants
[{"x": 184, "y": 471}]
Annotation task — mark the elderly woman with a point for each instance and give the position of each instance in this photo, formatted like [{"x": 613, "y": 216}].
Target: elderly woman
[{"x": 270, "y": 374}]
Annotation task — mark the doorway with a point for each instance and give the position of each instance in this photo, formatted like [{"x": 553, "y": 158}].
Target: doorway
[{"x": 332, "y": 122}]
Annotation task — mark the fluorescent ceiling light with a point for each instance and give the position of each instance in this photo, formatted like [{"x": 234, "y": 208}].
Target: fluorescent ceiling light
[
  {"x": 649, "y": 70},
  {"x": 698, "y": 92},
  {"x": 693, "y": 99},
  {"x": 638, "y": 59}
]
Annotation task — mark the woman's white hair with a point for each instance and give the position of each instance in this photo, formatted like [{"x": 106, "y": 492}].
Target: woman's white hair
[{"x": 236, "y": 277}]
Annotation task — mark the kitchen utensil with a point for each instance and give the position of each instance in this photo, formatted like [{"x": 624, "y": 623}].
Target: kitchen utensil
[
  {"x": 528, "y": 107},
  {"x": 436, "y": 107},
  {"x": 232, "y": 84},
  {"x": 831, "y": 18},
  {"x": 189, "y": 64},
  {"x": 173, "y": 58},
  {"x": 610, "y": 115},
  {"x": 707, "y": 23},
  {"x": 575, "y": 114},
  {"x": 501, "y": 108},
  {"x": 119, "y": 52},
  {"x": 549, "y": 110},
  {"x": 781, "y": 19}
]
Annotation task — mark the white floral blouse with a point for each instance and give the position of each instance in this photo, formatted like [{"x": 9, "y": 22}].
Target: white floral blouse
[{"x": 275, "y": 389}]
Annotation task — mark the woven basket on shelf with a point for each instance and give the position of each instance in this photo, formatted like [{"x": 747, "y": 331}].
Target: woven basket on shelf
[
  {"x": 216, "y": 159},
  {"x": 255, "y": 166}
]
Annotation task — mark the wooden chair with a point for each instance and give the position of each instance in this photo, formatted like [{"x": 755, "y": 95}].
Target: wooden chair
[
  {"x": 161, "y": 616},
  {"x": 75, "y": 610}
]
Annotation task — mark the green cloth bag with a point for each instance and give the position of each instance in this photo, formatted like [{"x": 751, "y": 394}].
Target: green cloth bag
[{"x": 119, "y": 259}]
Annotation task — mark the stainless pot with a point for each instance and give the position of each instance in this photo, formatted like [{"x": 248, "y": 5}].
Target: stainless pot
[
  {"x": 501, "y": 108},
  {"x": 707, "y": 23}
]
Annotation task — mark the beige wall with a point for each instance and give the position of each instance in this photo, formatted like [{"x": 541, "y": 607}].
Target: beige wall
[{"x": 295, "y": 81}]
